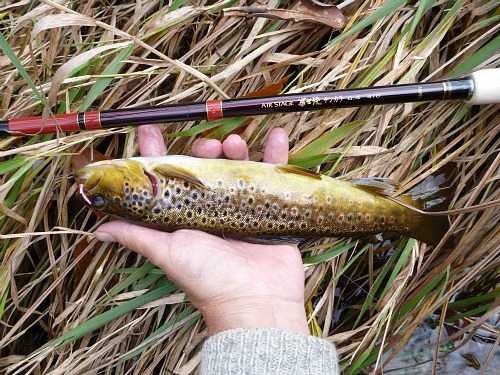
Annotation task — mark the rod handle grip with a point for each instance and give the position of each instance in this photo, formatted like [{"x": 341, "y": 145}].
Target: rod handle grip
[{"x": 486, "y": 87}]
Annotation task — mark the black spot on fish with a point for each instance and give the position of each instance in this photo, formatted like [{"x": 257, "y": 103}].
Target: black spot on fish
[
  {"x": 139, "y": 203},
  {"x": 117, "y": 200},
  {"x": 127, "y": 190},
  {"x": 179, "y": 220},
  {"x": 135, "y": 197},
  {"x": 282, "y": 226},
  {"x": 156, "y": 211},
  {"x": 187, "y": 202},
  {"x": 269, "y": 225},
  {"x": 148, "y": 201},
  {"x": 199, "y": 210},
  {"x": 177, "y": 190},
  {"x": 203, "y": 220},
  {"x": 189, "y": 214},
  {"x": 186, "y": 184},
  {"x": 167, "y": 193}
]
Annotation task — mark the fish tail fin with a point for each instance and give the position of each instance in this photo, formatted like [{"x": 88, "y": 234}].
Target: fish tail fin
[{"x": 433, "y": 194}]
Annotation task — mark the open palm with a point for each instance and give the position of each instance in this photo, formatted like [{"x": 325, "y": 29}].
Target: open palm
[{"x": 235, "y": 284}]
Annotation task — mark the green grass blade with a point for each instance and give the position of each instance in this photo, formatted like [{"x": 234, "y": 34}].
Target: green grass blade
[
  {"x": 387, "y": 8},
  {"x": 478, "y": 58},
  {"x": 328, "y": 140},
  {"x": 138, "y": 274},
  {"x": 150, "y": 342},
  {"x": 9, "y": 165},
  {"x": 108, "y": 316},
  {"x": 4, "y": 45},
  {"x": 376, "y": 285},
  {"x": 397, "y": 267},
  {"x": 330, "y": 253},
  {"x": 102, "y": 83}
]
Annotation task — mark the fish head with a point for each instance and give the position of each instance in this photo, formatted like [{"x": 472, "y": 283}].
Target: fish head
[{"x": 118, "y": 187}]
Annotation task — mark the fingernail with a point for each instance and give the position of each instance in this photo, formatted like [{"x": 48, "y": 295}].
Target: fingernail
[{"x": 104, "y": 236}]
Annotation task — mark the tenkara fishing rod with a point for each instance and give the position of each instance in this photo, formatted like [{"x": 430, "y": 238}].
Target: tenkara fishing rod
[{"x": 481, "y": 87}]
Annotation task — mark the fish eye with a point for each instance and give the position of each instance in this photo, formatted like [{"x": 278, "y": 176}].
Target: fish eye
[{"x": 98, "y": 201}]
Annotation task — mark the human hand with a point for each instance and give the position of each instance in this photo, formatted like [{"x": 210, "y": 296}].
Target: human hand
[{"x": 234, "y": 284}]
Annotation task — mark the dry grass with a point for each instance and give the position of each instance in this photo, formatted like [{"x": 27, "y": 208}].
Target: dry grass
[{"x": 106, "y": 55}]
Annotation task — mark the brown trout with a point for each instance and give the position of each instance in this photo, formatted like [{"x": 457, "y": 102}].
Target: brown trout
[{"x": 258, "y": 201}]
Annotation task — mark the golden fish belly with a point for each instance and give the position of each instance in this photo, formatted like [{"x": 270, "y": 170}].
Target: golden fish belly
[{"x": 254, "y": 199}]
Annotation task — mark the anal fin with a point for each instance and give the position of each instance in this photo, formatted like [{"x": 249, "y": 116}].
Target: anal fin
[{"x": 277, "y": 240}]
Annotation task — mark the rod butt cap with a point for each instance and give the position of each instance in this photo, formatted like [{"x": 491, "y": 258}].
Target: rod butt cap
[{"x": 486, "y": 87}]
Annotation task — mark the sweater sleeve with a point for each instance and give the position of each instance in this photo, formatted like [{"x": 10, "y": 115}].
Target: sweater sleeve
[{"x": 268, "y": 351}]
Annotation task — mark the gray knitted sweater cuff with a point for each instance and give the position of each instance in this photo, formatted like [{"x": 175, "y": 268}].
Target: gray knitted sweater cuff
[{"x": 267, "y": 351}]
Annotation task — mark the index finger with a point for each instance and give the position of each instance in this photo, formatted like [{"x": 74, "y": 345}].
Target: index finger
[{"x": 151, "y": 142}]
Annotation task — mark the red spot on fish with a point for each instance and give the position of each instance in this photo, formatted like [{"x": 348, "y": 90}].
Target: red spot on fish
[
  {"x": 367, "y": 217},
  {"x": 392, "y": 219},
  {"x": 328, "y": 199},
  {"x": 320, "y": 219},
  {"x": 340, "y": 218},
  {"x": 154, "y": 183},
  {"x": 275, "y": 206},
  {"x": 294, "y": 211},
  {"x": 243, "y": 204},
  {"x": 258, "y": 208},
  {"x": 349, "y": 217}
]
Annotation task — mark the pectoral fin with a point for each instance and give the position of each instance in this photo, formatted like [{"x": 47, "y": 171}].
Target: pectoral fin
[{"x": 173, "y": 171}]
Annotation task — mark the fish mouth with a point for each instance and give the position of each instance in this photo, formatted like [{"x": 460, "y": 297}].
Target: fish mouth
[{"x": 89, "y": 180}]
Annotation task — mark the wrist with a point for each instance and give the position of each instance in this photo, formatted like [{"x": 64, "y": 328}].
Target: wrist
[{"x": 255, "y": 312}]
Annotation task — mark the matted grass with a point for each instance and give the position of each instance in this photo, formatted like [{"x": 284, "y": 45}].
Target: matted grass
[{"x": 71, "y": 305}]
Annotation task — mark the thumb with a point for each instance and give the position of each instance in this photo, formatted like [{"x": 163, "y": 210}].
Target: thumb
[{"x": 150, "y": 243}]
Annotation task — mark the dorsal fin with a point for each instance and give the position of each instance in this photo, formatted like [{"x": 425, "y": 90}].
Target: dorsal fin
[
  {"x": 173, "y": 171},
  {"x": 298, "y": 171},
  {"x": 376, "y": 186}
]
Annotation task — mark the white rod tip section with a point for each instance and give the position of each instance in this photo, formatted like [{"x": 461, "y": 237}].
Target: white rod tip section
[{"x": 486, "y": 87}]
